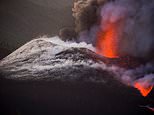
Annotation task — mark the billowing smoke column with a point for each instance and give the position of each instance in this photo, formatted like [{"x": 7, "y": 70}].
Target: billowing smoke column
[
  {"x": 117, "y": 27},
  {"x": 120, "y": 28},
  {"x": 126, "y": 29},
  {"x": 133, "y": 27}
]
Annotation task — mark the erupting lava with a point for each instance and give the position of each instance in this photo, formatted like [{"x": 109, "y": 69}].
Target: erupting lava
[
  {"x": 107, "y": 42},
  {"x": 143, "y": 90},
  {"x": 107, "y": 46}
]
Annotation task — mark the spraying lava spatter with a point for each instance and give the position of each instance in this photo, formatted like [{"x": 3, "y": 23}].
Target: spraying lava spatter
[
  {"x": 143, "y": 90},
  {"x": 107, "y": 42}
]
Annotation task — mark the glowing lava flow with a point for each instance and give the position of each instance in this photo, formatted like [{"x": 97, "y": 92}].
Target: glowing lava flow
[
  {"x": 107, "y": 42},
  {"x": 143, "y": 90}
]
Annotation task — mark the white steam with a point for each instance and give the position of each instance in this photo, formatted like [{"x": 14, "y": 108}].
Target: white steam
[{"x": 57, "y": 40}]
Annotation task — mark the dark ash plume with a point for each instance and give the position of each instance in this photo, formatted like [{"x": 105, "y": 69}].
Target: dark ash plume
[
  {"x": 135, "y": 37},
  {"x": 67, "y": 34}
]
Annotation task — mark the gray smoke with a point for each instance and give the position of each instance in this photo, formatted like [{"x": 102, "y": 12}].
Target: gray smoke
[
  {"x": 134, "y": 20},
  {"x": 136, "y": 17}
]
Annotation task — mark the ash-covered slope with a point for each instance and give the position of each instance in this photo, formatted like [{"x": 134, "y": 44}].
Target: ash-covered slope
[
  {"x": 53, "y": 59},
  {"x": 41, "y": 59}
]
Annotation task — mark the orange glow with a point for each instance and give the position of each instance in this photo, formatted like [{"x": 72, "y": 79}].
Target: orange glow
[
  {"x": 107, "y": 42},
  {"x": 143, "y": 90}
]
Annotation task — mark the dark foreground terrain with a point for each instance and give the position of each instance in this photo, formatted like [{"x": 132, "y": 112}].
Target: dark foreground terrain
[{"x": 67, "y": 98}]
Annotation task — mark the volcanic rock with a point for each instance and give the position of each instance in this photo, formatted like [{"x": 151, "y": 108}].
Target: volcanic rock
[{"x": 43, "y": 77}]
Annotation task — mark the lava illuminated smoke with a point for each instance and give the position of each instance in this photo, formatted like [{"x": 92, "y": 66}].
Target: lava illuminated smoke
[
  {"x": 109, "y": 35},
  {"x": 122, "y": 31},
  {"x": 107, "y": 46},
  {"x": 107, "y": 42}
]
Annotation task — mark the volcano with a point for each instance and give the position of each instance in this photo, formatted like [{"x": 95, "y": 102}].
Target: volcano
[{"x": 43, "y": 77}]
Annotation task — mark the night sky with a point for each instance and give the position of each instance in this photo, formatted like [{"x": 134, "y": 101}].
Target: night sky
[{"x": 23, "y": 20}]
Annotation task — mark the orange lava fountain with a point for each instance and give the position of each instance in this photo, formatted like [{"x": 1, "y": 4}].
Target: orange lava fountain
[
  {"x": 107, "y": 45},
  {"x": 107, "y": 41},
  {"x": 143, "y": 90}
]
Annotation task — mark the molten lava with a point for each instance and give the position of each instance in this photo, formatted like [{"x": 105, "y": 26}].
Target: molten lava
[
  {"x": 143, "y": 90},
  {"x": 107, "y": 41}
]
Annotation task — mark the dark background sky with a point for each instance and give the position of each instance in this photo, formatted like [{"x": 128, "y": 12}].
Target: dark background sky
[{"x": 23, "y": 20}]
